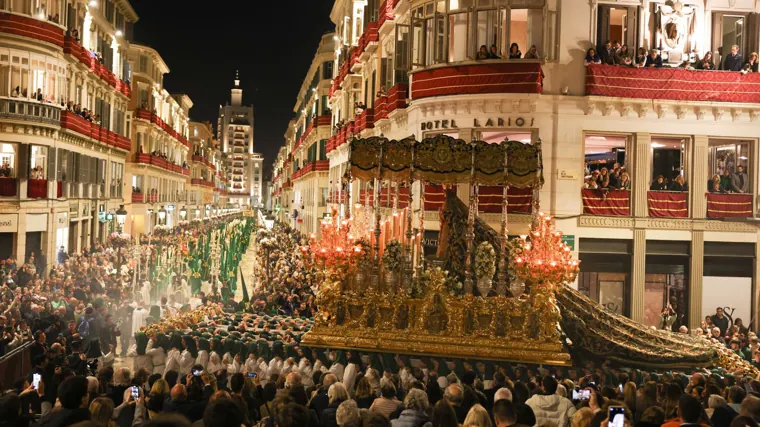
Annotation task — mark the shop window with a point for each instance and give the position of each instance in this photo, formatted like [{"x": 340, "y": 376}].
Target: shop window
[
  {"x": 725, "y": 159},
  {"x": 669, "y": 162},
  {"x": 605, "y": 272},
  {"x": 666, "y": 288}
]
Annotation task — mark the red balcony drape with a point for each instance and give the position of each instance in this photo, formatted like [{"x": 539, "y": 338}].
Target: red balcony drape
[
  {"x": 729, "y": 205},
  {"x": 668, "y": 204},
  {"x": 606, "y": 203},
  {"x": 490, "y": 198},
  {"x": 37, "y": 188},
  {"x": 8, "y": 187}
]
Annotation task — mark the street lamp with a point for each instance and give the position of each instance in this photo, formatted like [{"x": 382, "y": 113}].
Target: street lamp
[
  {"x": 121, "y": 217},
  {"x": 161, "y": 215},
  {"x": 183, "y": 213},
  {"x": 197, "y": 213},
  {"x": 208, "y": 210}
]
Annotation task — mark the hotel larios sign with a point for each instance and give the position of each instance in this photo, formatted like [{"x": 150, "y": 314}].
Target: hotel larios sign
[{"x": 476, "y": 123}]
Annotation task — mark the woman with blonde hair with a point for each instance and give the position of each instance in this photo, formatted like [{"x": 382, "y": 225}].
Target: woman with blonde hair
[
  {"x": 629, "y": 395},
  {"x": 101, "y": 412},
  {"x": 477, "y": 417},
  {"x": 161, "y": 387},
  {"x": 364, "y": 394},
  {"x": 582, "y": 417}
]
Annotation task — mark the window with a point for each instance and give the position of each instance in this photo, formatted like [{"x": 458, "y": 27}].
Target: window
[
  {"x": 726, "y": 156},
  {"x": 327, "y": 70},
  {"x": 143, "y": 68},
  {"x": 38, "y": 162},
  {"x": 669, "y": 161},
  {"x": 7, "y": 161}
]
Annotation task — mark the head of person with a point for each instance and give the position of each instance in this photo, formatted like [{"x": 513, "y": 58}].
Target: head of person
[
  {"x": 653, "y": 415},
  {"x": 502, "y": 394},
  {"x": 734, "y": 49},
  {"x": 477, "y": 417},
  {"x": 347, "y": 414},
  {"x": 292, "y": 415},
  {"x": 101, "y": 411},
  {"x": 689, "y": 409},
  {"x": 653, "y": 53},
  {"x": 736, "y": 394},
  {"x": 514, "y": 48},
  {"x": 504, "y": 413},
  {"x": 416, "y": 400},
  {"x": 591, "y": 52},
  {"x": 337, "y": 393},
  {"x": 483, "y": 50},
  {"x": 454, "y": 394},
  {"x": 388, "y": 390},
  {"x": 582, "y": 417},
  {"x": 223, "y": 412},
  {"x": 549, "y": 385},
  {"x": 444, "y": 415},
  {"x": 73, "y": 393}
]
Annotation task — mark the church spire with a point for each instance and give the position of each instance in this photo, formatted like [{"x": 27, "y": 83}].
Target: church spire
[{"x": 237, "y": 92}]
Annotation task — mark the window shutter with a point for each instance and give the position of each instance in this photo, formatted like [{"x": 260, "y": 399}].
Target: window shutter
[
  {"x": 70, "y": 167},
  {"x": 402, "y": 47},
  {"x": 61, "y": 158},
  {"x": 51, "y": 162},
  {"x": 22, "y": 168},
  {"x": 753, "y": 26},
  {"x": 77, "y": 167},
  {"x": 102, "y": 175}
]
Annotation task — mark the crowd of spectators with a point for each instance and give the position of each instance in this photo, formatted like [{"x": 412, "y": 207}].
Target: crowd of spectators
[
  {"x": 605, "y": 179},
  {"x": 737, "y": 182},
  {"x": 614, "y": 53},
  {"x": 83, "y": 112}
]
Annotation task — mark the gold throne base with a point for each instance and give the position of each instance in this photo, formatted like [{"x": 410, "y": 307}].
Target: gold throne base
[{"x": 437, "y": 325}]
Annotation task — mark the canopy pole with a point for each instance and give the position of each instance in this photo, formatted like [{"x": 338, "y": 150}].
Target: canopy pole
[
  {"x": 501, "y": 279},
  {"x": 470, "y": 236}
]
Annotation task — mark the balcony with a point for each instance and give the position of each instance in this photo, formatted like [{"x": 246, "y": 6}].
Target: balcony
[
  {"x": 146, "y": 115},
  {"x": 8, "y": 187},
  {"x": 386, "y": 13},
  {"x": 30, "y": 111},
  {"x": 674, "y": 84},
  {"x": 368, "y": 41},
  {"x": 82, "y": 126},
  {"x": 668, "y": 204},
  {"x": 519, "y": 200},
  {"x": 467, "y": 78},
  {"x": 204, "y": 160},
  {"x": 138, "y": 197},
  {"x": 606, "y": 203},
  {"x": 160, "y": 162},
  {"x": 202, "y": 182},
  {"x": 729, "y": 205},
  {"x": 36, "y": 188},
  {"x": 71, "y": 47},
  {"x": 365, "y": 120},
  {"x": 315, "y": 166},
  {"x": 11, "y": 23}
]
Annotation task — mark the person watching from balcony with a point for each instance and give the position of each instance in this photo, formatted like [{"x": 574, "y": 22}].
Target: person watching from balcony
[
  {"x": 641, "y": 58},
  {"x": 514, "y": 51},
  {"x": 39, "y": 96},
  {"x": 659, "y": 184},
  {"x": 679, "y": 184},
  {"x": 493, "y": 53},
  {"x": 654, "y": 60},
  {"x": 623, "y": 57},
  {"x": 605, "y": 185},
  {"x": 482, "y": 53},
  {"x": 607, "y": 53},
  {"x": 625, "y": 182},
  {"x": 733, "y": 61},
  {"x": 713, "y": 185},
  {"x": 751, "y": 65},
  {"x": 16, "y": 92},
  {"x": 592, "y": 57},
  {"x": 739, "y": 180},
  {"x": 706, "y": 63},
  {"x": 590, "y": 184},
  {"x": 532, "y": 53}
]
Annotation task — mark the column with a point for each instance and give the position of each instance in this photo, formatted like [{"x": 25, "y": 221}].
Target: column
[
  {"x": 699, "y": 176},
  {"x": 641, "y": 174},
  {"x": 755, "y": 287},
  {"x": 21, "y": 240},
  {"x": 696, "y": 271},
  {"x": 638, "y": 274}
]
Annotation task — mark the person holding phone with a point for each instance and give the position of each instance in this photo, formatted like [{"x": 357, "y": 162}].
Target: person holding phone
[{"x": 548, "y": 406}]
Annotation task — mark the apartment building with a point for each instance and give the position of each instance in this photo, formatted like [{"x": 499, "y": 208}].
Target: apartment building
[
  {"x": 304, "y": 168},
  {"x": 62, "y": 170},
  {"x": 157, "y": 166},
  {"x": 235, "y": 134},
  {"x": 414, "y": 67},
  {"x": 207, "y": 177}
]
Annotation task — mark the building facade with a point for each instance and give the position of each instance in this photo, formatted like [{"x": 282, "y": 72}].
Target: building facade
[
  {"x": 62, "y": 171},
  {"x": 414, "y": 68},
  {"x": 235, "y": 134},
  {"x": 303, "y": 166},
  {"x": 158, "y": 164},
  {"x": 207, "y": 174}
]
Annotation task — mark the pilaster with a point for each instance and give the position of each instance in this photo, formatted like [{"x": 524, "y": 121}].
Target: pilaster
[
  {"x": 638, "y": 274},
  {"x": 699, "y": 178},
  {"x": 696, "y": 272},
  {"x": 641, "y": 173}
]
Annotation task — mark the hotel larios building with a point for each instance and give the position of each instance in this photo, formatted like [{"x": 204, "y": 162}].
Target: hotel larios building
[
  {"x": 413, "y": 66},
  {"x": 159, "y": 160},
  {"x": 301, "y": 168},
  {"x": 62, "y": 176}
]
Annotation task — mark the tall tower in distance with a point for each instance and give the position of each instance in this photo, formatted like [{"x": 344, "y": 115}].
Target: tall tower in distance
[{"x": 235, "y": 133}]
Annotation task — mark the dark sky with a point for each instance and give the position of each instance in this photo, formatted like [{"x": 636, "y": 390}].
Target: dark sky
[{"x": 271, "y": 42}]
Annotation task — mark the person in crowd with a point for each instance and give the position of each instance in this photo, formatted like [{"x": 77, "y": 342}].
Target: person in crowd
[
  {"x": 751, "y": 65},
  {"x": 415, "y": 413},
  {"x": 720, "y": 320},
  {"x": 625, "y": 181},
  {"x": 641, "y": 57},
  {"x": 550, "y": 407},
  {"x": 623, "y": 57},
  {"x": 659, "y": 184},
  {"x": 713, "y": 185},
  {"x": 592, "y": 57},
  {"x": 706, "y": 63},
  {"x": 607, "y": 53},
  {"x": 532, "y": 53},
  {"x": 733, "y": 61},
  {"x": 493, "y": 53},
  {"x": 514, "y": 51},
  {"x": 739, "y": 181},
  {"x": 654, "y": 60},
  {"x": 679, "y": 184}
]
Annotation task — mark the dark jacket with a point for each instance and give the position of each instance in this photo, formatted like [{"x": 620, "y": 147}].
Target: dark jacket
[
  {"x": 65, "y": 417},
  {"x": 723, "y": 416},
  {"x": 320, "y": 402},
  {"x": 657, "y": 62},
  {"x": 327, "y": 419},
  {"x": 412, "y": 418},
  {"x": 733, "y": 62}
]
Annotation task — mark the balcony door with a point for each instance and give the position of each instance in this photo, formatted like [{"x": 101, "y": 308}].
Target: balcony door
[
  {"x": 618, "y": 23},
  {"x": 734, "y": 28}
]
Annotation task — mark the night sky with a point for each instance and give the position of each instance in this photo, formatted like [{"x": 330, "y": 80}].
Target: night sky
[{"x": 272, "y": 43}]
